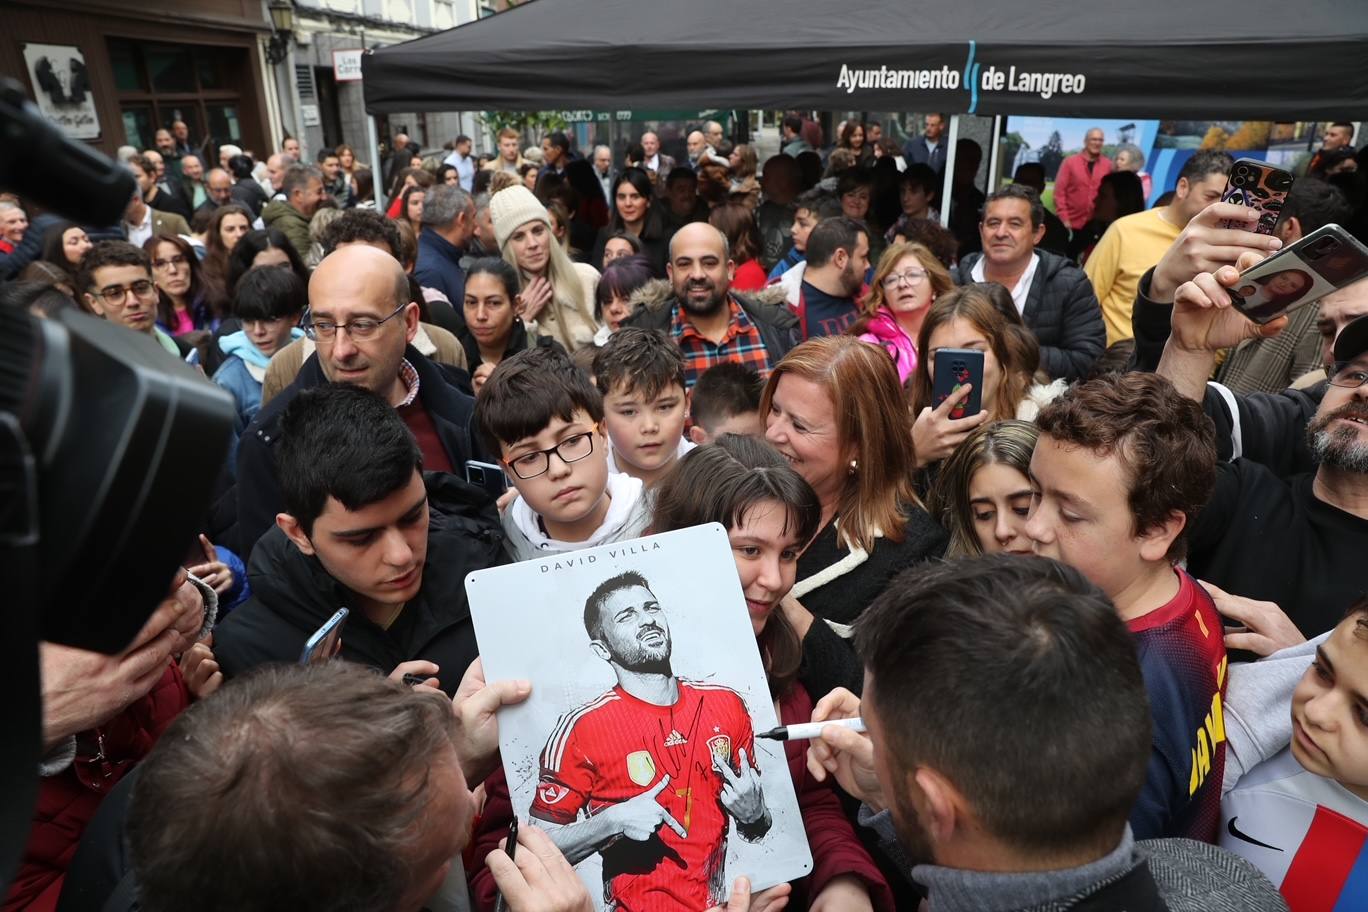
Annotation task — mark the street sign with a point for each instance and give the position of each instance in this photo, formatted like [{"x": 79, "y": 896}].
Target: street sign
[{"x": 347, "y": 65}]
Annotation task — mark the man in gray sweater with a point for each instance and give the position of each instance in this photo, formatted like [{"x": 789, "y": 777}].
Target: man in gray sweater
[{"x": 1008, "y": 738}]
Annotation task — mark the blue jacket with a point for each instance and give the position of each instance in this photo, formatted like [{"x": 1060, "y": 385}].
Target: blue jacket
[
  {"x": 439, "y": 266},
  {"x": 234, "y": 376}
]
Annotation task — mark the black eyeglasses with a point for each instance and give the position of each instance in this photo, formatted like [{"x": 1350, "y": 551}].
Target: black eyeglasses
[
  {"x": 1346, "y": 377},
  {"x": 363, "y": 328},
  {"x": 538, "y": 462}
]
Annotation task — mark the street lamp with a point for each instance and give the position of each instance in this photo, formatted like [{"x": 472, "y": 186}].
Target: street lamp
[{"x": 282, "y": 30}]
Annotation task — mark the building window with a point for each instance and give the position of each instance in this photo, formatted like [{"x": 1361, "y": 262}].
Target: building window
[{"x": 158, "y": 84}]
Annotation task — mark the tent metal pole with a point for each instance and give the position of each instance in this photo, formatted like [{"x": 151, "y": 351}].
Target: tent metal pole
[
  {"x": 950, "y": 143},
  {"x": 993, "y": 179},
  {"x": 377, "y": 169}
]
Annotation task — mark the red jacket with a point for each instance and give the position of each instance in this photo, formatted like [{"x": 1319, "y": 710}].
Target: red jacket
[
  {"x": 836, "y": 850},
  {"x": 68, "y": 800},
  {"x": 1075, "y": 190}
]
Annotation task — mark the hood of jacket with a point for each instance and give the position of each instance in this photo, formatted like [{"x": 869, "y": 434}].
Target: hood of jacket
[
  {"x": 463, "y": 536},
  {"x": 280, "y": 210},
  {"x": 628, "y": 515},
  {"x": 657, "y": 298}
]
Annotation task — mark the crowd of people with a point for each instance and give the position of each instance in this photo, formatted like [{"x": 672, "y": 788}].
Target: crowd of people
[{"x": 1106, "y": 631}]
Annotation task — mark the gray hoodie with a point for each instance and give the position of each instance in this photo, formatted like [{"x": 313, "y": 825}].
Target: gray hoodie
[{"x": 628, "y": 514}]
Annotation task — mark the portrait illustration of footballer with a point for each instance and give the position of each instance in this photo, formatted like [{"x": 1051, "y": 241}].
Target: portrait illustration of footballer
[{"x": 636, "y": 752}]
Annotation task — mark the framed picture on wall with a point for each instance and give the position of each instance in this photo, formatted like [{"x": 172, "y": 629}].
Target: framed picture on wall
[{"x": 61, "y": 88}]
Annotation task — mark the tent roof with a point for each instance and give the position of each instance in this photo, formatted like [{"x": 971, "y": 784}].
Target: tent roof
[{"x": 1254, "y": 59}]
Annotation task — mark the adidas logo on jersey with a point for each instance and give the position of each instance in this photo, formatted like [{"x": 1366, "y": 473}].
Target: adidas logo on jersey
[{"x": 675, "y": 739}]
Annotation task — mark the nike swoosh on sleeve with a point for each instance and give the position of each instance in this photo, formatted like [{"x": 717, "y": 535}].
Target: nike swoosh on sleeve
[{"x": 1230, "y": 828}]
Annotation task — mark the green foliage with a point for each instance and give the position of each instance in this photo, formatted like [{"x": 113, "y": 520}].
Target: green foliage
[{"x": 525, "y": 122}]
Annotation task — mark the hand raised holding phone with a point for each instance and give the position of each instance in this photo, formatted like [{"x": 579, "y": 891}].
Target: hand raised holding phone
[{"x": 935, "y": 434}]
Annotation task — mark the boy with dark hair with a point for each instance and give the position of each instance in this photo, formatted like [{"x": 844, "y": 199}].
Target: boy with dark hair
[
  {"x": 726, "y": 400},
  {"x": 1123, "y": 465},
  {"x": 1303, "y": 814},
  {"x": 640, "y": 373},
  {"x": 116, "y": 280},
  {"x": 811, "y": 207},
  {"x": 362, "y": 529},
  {"x": 363, "y": 226},
  {"x": 544, "y": 418}
]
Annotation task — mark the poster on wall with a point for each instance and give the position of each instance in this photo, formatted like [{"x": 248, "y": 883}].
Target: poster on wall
[{"x": 61, "y": 87}]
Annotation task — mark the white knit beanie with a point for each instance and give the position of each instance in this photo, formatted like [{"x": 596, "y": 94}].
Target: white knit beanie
[{"x": 513, "y": 207}]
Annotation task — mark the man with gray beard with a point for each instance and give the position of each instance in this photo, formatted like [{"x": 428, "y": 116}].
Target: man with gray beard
[{"x": 1300, "y": 541}]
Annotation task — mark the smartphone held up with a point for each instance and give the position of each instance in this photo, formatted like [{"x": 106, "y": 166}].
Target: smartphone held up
[
  {"x": 1324, "y": 261},
  {"x": 1260, "y": 186}
]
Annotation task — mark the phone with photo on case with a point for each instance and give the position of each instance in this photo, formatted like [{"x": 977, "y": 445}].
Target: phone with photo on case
[
  {"x": 1324, "y": 261},
  {"x": 1260, "y": 186}
]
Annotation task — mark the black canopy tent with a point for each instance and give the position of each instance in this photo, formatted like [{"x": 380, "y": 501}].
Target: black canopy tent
[{"x": 1181, "y": 59}]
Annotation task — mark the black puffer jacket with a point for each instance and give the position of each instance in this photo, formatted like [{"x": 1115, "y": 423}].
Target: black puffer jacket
[
  {"x": 292, "y": 595},
  {"x": 1062, "y": 311}
]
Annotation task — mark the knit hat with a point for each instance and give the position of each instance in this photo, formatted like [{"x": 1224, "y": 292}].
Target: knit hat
[{"x": 513, "y": 207}]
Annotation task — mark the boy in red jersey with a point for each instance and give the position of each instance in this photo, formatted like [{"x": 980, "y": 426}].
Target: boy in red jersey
[
  {"x": 1122, "y": 466},
  {"x": 649, "y": 773}
]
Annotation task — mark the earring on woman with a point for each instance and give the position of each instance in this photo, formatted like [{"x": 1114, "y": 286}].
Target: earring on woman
[{"x": 854, "y": 466}]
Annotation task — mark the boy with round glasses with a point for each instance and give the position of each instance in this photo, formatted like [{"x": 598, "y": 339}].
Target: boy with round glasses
[{"x": 544, "y": 418}]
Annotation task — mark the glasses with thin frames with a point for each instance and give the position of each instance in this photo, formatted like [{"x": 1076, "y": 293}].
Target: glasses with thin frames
[
  {"x": 538, "y": 462},
  {"x": 362, "y": 328},
  {"x": 116, "y": 295},
  {"x": 913, "y": 277},
  {"x": 1346, "y": 376},
  {"x": 175, "y": 259}
]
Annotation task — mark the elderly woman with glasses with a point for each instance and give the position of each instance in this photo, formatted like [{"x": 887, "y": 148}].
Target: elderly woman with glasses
[{"x": 907, "y": 281}]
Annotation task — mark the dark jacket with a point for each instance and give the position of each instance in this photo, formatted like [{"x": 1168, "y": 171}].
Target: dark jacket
[
  {"x": 518, "y": 340},
  {"x": 292, "y": 595},
  {"x": 439, "y": 266},
  {"x": 777, "y": 324},
  {"x": 250, "y": 194},
  {"x": 1062, "y": 311},
  {"x": 835, "y": 588},
  {"x": 258, "y": 491},
  {"x": 655, "y": 240}
]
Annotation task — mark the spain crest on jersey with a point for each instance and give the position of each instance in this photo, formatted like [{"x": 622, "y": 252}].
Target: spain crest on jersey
[
  {"x": 720, "y": 745},
  {"x": 641, "y": 768}
]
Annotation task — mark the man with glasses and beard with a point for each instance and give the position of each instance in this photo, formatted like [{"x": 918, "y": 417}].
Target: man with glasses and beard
[
  {"x": 649, "y": 773},
  {"x": 1296, "y": 541},
  {"x": 362, "y": 323},
  {"x": 712, "y": 323}
]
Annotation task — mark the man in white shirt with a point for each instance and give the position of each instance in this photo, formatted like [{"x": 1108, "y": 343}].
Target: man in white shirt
[
  {"x": 460, "y": 160},
  {"x": 1052, "y": 295}
]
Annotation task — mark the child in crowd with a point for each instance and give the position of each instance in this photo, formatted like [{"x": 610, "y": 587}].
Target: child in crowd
[
  {"x": 640, "y": 373},
  {"x": 1302, "y": 816},
  {"x": 726, "y": 400},
  {"x": 812, "y": 206},
  {"x": 269, "y": 303},
  {"x": 544, "y": 418},
  {"x": 1122, "y": 465}
]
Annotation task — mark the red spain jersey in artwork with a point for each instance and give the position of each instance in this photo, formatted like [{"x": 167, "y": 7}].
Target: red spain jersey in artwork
[{"x": 614, "y": 748}]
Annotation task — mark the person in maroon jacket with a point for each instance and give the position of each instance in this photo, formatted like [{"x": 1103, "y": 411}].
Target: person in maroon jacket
[
  {"x": 770, "y": 512},
  {"x": 101, "y": 716}
]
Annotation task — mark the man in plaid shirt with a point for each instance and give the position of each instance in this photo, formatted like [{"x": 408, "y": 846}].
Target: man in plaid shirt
[{"x": 710, "y": 322}]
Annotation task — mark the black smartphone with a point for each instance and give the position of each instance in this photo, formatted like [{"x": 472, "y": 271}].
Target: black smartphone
[
  {"x": 954, "y": 368},
  {"x": 1326, "y": 260},
  {"x": 488, "y": 476},
  {"x": 324, "y": 643},
  {"x": 1258, "y": 185}
]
